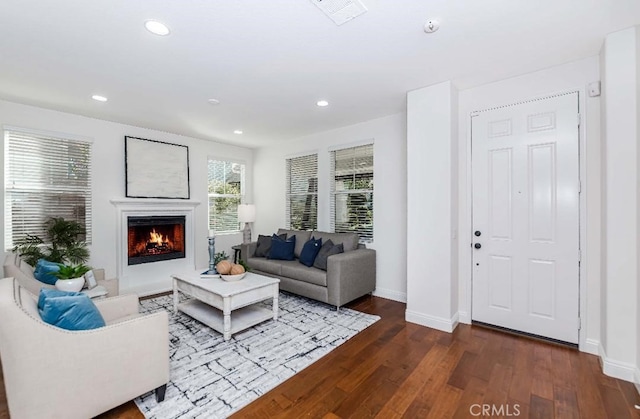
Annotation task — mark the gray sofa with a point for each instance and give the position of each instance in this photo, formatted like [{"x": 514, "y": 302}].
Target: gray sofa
[{"x": 349, "y": 275}]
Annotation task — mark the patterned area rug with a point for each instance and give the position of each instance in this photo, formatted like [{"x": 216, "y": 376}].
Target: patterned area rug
[{"x": 211, "y": 378}]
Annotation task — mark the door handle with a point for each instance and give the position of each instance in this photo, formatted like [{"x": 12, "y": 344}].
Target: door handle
[
  {"x": 477, "y": 233},
  {"x": 477, "y": 245}
]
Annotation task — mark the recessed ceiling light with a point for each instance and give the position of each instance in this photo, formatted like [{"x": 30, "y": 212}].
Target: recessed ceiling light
[
  {"x": 157, "y": 28},
  {"x": 237, "y": 132},
  {"x": 99, "y": 98},
  {"x": 431, "y": 26},
  {"x": 213, "y": 101},
  {"x": 322, "y": 103}
]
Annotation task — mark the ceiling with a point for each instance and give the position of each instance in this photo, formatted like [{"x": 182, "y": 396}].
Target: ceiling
[{"x": 268, "y": 62}]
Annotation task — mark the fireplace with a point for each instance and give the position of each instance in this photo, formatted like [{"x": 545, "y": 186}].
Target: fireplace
[{"x": 155, "y": 238}]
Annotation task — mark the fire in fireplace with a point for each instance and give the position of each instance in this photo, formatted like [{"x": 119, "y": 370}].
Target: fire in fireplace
[{"x": 156, "y": 238}]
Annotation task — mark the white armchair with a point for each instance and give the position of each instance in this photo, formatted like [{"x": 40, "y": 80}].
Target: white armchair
[{"x": 55, "y": 373}]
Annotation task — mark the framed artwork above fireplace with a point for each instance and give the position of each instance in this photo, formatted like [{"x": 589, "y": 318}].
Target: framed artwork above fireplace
[{"x": 155, "y": 169}]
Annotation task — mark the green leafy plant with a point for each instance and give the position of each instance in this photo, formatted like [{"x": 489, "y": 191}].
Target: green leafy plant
[
  {"x": 244, "y": 265},
  {"x": 71, "y": 271},
  {"x": 220, "y": 256},
  {"x": 62, "y": 243}
]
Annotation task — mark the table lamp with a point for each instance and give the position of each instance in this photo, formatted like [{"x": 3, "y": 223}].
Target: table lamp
[{"x": 246, "y": 215}]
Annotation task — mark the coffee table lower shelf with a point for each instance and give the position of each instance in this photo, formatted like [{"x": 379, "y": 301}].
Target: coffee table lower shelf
[{"x": 241, "y": 319}]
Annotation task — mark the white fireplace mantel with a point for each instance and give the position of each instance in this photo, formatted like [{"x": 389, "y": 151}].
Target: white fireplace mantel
[
  {"x": 140, "y": 203},
  {"x": 154, "y": 277}
]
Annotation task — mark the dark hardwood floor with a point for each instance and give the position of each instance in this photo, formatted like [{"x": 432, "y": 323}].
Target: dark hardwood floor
[{"x": 398, "y": 369}]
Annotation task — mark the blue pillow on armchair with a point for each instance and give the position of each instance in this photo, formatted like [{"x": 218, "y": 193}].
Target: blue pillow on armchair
[
  {"x": 44, "y": 271},
  {"x": 69, "y": 310},
  {"x": 282, "y": 249}
]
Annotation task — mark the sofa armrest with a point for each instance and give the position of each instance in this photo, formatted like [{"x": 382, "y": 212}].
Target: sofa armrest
[
  {"x": 99, "y": 274},
  {"x": 112, "y": 285},
  {"x": 247, "y": 250},
  {"x": 117, "y": 307},
  {"x": 350, "y": 275}
]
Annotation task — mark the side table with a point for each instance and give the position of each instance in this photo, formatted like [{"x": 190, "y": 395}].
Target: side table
[{"x": 236, "y": 252}]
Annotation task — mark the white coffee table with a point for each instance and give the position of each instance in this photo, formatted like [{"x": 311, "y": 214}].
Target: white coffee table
[{"x": 214, "y": 300}]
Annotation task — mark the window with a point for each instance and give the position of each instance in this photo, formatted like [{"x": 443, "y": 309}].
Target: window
[
  {"x": 45, "y": 176},
  {"x": 226, "y": 189},
  {"x": 352, "y": 191},
  {"x": 302, "y": 192}
]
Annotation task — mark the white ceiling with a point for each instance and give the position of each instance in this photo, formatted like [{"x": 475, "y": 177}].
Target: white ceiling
[{"x": 268, "y": 62}]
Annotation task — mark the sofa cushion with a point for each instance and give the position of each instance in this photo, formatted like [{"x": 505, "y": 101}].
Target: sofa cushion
[
  {"x": 263, "y": 245},
  {"x": 327, "y": 249},
  {"x": 44, "y": 271},
  {"x": 349, "y": 241},
  {"x": 265, "y": 265},
  {"x": 310, "y": 251},
  {"x": 295, "y": 270},
  {"x": 301, "y": 238},
  {"x": 282, "y": 249},
  {"x": 69, "y": 310}
]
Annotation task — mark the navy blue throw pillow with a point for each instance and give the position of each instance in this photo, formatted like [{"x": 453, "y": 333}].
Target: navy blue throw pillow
[
  {"x": 263, "y": 246},
  {"x": 310, "y": 251},
  {"x": 282, "y": 249}
]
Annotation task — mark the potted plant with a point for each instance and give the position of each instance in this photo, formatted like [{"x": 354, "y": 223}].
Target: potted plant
[
  {"x": 63, "y": 243},
  {"x": 70, "y": 277}
]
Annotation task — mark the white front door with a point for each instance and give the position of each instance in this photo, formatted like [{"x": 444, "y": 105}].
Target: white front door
[{"x": 526, "y": 217}]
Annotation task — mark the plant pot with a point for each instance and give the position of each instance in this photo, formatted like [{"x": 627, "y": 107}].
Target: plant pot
[{"x": 72, "y": 285}]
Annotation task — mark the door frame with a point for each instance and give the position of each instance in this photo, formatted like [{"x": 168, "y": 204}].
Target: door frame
[{"x": 466, "y": 213}]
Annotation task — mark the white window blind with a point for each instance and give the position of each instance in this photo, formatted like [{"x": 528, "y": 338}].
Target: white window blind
[
  {"x": 226, "y": 190},
  {"x": 302, "y": 192},
  {"x": 45, "y": 176},
  {"x": 352, "y": 191}
]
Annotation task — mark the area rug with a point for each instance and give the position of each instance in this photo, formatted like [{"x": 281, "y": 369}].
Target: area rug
[{"x": 211, "y": 378}]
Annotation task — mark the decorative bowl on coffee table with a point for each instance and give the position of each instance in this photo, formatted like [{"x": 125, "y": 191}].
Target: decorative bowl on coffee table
[{"x": 233, "y": 277}]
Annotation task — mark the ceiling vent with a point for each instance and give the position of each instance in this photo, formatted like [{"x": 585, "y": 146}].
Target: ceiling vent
[{"x": 341, "y": 11}]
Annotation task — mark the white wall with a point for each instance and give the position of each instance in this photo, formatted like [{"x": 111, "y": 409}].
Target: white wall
[
  {"x": 603, "y": 202},
  {"x": 619, "y": 348},
  {"x": 568, "y": 77},
  {"x": 390, "y": 192},
  {"x": 109, "y": 180},
  {"x": 432, "y": 295},
  {"x": 637, "y": 370}
]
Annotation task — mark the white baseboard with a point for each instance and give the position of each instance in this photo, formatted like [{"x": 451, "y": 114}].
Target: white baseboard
[
  {"x": 439, "y": 323},
  {"x": 616, "y": 369},
  {"x": 464, "y": 317},
  {"x": 591, "y": 346},
  {"x": 390, "y": 294}
]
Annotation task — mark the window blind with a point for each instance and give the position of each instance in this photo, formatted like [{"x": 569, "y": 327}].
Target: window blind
[
  {"x": 351, "y": 205},
  {"x": 302, "y": 192},
  {"x": 226, "y": 190},
  {"x": 45, "y": 177}
]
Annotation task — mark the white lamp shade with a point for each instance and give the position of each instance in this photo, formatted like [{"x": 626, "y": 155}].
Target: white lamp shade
[{"x": 246, "y": 213}]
